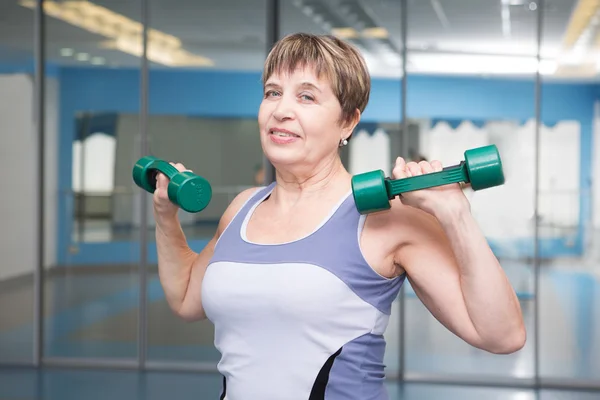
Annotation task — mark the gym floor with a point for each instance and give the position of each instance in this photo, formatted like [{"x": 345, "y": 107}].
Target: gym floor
[
  {"x": 79, "y": 384},
  {"x": 92, "y": 313}
]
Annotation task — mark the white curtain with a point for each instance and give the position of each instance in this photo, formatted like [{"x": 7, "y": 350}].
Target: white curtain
[
  {"x": 507, "y": 211},
  {"x": 448, "y": 145},
  {"x": 99, "y": 163},
  {"x": 370, "y": 152}
]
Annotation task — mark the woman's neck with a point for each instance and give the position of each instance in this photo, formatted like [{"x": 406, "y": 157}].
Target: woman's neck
[{"x": 329, "y": 180}]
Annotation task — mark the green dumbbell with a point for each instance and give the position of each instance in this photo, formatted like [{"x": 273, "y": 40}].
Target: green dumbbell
[
  {"x": 189, "y": 191},
  {"x": 482, "y": 168}
]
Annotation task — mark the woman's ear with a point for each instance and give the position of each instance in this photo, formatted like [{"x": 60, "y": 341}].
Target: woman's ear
[{"x": 351, "y": 124}]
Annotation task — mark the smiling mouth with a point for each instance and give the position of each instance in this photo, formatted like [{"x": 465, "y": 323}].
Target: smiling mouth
[{"x": 282, "y": 133}]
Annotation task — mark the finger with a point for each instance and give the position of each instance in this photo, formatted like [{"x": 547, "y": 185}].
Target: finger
[
  {"x": 414, "y": 168},
  {"x": 399, "y": 170},
  {"x": 180, "y": 167},
  {"x": 425, "y": 167},
  {"x": 161, "y": 180},
  {"x": 436, "y": 165}
]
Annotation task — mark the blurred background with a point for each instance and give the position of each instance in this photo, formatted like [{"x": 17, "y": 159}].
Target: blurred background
[{"x": 87, "y": 88}]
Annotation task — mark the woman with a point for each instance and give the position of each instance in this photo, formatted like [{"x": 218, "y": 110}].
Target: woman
[{"x": 297, "y": 283}]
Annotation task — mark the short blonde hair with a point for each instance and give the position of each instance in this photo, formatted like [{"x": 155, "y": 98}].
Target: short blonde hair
[{"x": 340, "y": 62}]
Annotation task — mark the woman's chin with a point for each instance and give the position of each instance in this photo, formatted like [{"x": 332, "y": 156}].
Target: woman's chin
[{"x": 281, "y": 156}]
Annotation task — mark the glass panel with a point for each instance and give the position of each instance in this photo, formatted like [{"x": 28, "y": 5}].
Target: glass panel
[
  {"x": 91, "y": 295},
  {"x": 19, "y": 200},
  {"x": 471, "y": 83},
  {"x": 204, "y": 97},
  {"x": 569, "y": 206}
]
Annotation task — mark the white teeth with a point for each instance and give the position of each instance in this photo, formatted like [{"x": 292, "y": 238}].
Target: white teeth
[{"x": 283, "y": 134}]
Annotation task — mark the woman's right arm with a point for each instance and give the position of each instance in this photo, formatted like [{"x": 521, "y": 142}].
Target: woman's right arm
[{"x": 180, "y": 269}]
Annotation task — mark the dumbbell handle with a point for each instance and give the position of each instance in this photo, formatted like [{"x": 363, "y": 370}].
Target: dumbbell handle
[
  {"x": 453, "y": 174},
  {"x": 164, "y": 167}
]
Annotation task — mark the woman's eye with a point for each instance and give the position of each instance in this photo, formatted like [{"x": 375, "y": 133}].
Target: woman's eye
[{"x": 307, "y": 97}]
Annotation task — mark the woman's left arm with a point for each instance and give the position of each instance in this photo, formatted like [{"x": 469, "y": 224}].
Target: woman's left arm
[{"x": 453, "y": 270}]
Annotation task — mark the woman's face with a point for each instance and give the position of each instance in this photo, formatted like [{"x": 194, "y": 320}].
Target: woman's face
[{"x": 299, "y": 120}]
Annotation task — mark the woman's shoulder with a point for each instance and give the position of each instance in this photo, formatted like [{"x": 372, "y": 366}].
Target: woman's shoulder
[{"x": 236, "y": 205}]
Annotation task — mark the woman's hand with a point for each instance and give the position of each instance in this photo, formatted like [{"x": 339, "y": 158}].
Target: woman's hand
[
  {"x": 164, "y": 209},
  {"x": 437, "y": 201}
]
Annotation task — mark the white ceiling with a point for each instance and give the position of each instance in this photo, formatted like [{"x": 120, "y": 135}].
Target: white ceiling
[{"x": 233, "y": 32}]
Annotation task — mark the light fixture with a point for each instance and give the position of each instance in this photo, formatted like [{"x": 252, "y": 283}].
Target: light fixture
[
  {"x": 66, "y": 52},
  {"x": 345, "y": 33},
  {"x": 506, "y": 23},
  {"x": 462, "y": 64},
  {"x": 98, "y": 61},
  {"x": 369, "y": 33},
  {"x": 375, "y": 33},
  {"x": 125, "y": 33},
  {"x": 581, "y": 16},
  {"x": 577, "y": 55}
]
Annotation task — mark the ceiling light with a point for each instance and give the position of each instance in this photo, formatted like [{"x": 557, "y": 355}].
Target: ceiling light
[
  {"x": 370, "y": 33},
  {"x": 66, "y": 52},
  {"x": 375, "y": 33},
  {"x": 579, "y": 21},
  {"x": 174, "y": 58},
  {"x": 162, "y": 48},
  {"x": 345, "y": 33},
  {"x": 440, "y": 63},
  {"x": 506, "y": 24},
  {"x": 98, "y": 61}
]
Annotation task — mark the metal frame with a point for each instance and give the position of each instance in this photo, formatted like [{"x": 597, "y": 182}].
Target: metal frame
[
  {"x": 143, "y": 267},
  {"x": 273, "y": 34},
  {"x": 40, "y": 124},
  {"x": 404, "y": 153},
  {"x": 536, "y": 191},
  {"x": 141, "y": 362}
]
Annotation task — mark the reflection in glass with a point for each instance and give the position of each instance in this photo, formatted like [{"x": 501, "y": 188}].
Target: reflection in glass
[
  {"x": 91, "y": 290},
  {"x": 568, "y": 198},
  {"x": 471, "y": 85},
  {"x": 18, "y": 161},
  {"x": 203, "y": 114}
]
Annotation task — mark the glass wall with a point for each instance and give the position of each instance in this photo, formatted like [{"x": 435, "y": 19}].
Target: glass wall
[
  {"x": 471, "y": 85},
  {"x": 19, "y": 197},
  {"x": 91, "y": 293},
  {"x": 204, "y": 94},
  {"x": 568, "y": 197},
  {"x": 467, "y": 77}
]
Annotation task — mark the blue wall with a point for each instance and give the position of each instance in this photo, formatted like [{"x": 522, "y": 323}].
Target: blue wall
[{"x": 239, "y": 94}]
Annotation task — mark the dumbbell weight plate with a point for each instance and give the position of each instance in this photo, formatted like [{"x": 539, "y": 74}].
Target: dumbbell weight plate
[
  {"x": 369, "y": 191},
  {"x": 191, "y": 192},
  {"x": 484, "y": 167}
]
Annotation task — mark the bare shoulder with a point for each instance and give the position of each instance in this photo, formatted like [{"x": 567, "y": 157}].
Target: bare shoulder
[
  {"x": 386, "y": 233},
  {"x": 233, "y": 207}
]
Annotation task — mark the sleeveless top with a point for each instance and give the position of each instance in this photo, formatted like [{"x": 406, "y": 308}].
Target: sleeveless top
[{"x": 302, "y": 320}]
